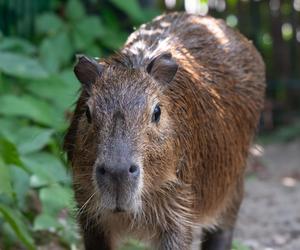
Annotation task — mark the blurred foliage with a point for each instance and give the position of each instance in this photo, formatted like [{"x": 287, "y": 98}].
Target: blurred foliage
[
  {"x": 283, "y": 134},
  {"x": 38, "y": 88}
]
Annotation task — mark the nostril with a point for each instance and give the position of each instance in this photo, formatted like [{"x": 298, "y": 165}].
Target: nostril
[
  {"x": 133, "y": 169},
  {"x": 101, "y": 170}
]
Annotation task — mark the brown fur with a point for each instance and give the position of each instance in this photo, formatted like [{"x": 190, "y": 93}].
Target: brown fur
[{"x": 193, "y": 161}]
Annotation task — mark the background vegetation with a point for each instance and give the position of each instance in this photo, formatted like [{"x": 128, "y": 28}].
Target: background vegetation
[{"x": 38, "y": 41}]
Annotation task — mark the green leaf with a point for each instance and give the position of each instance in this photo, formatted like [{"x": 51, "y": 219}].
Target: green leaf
[
  {"x": 32, "y": 108},
  {"x": 20, "y": 183},
  {"x": 8, "y": 236},
  {"x": 46, "y": 169},
  {"x": 32, "y": 138},
  {"x": 93, "y": 50},
  {"x": 61, "y": 89},
  {"x": 17, "y": 45},
  {"x": 48, "y": 23},
  {"x": 87, "y": 31},
  {"x": 27, "y": 139},
  {"x": 45, "y": 221},
  {"x": 114, "y": 39},
  {"x": 55, "y": 198},
  {"x": 21, "y": 66},
  {"x": 9, "y": 152},
  {"x": 68, "y": 77},
  {"x": 8, "y": 128},
  {"x": 74, "y": 10},
  {"x": 5, "y": 179},
  {"x": 16, "y": 222},
  {"x": 52, "y": 57},
  {"x": 69, "y": 232},
  {"x": 111, "y": 19},
  {"x": 63, "y": 224},
  {"x": 131, "y": 8}
]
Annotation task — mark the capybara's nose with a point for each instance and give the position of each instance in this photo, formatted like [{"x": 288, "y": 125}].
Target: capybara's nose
[{"x": 118, "y": 173}]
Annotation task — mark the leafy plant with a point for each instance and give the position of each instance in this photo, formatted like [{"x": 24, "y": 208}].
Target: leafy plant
[{"x": 37, "y": 90}]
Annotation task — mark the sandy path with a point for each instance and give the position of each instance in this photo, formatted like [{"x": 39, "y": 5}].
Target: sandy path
[{"x": 270, "y": 214}]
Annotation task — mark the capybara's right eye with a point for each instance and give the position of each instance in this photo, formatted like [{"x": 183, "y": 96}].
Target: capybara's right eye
[
  {"x": 88, "y": 115},
  {"x": 156, "y": 114}
]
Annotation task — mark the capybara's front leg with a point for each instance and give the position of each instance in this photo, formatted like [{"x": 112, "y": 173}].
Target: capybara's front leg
[
  {"x": 177, "y": 239},
  {"x": 95, "y": 241},
  {"x": 94, "y": 237},
  {"x": 218, "y": 240},
  {"x": 221, "y": 238}
]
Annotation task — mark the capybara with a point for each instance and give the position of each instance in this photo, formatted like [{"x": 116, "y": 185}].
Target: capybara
[{"x": 161, "y": 132}]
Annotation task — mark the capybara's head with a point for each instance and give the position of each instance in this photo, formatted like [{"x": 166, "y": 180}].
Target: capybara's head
[{"x": 121, "y": 140}]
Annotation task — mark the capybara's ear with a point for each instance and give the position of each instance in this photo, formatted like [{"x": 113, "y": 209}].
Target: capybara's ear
[
  {"x": 163, "y": 68},
  {"x": 87, "y": 70}
]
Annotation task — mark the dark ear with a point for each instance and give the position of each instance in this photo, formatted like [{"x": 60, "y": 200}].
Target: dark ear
[
  {"x": 163, "y": 68},
  {"x": 87, "y": 70}
]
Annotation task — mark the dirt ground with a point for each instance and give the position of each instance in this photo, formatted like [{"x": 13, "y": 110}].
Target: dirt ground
[{"x": 270, "y": 214}]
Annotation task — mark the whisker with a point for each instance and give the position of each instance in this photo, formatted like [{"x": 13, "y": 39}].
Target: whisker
[{"x": 85, "y": 204}]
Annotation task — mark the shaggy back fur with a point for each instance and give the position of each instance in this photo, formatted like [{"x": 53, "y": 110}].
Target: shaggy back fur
[{"x": 193, "y": 161}]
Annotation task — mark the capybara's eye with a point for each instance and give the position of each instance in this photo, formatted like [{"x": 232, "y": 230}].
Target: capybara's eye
[
  {"x": 88, "y": 115},
  {"x": 156, "y": 114}
]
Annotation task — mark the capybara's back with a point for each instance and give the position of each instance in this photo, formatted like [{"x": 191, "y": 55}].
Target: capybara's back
[{"x": 169, "y": 123}]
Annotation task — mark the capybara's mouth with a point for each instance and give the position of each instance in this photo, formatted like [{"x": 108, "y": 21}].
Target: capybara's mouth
[
  {"x": 119, "y": 202},
  {"x": 118, "y": 210}
]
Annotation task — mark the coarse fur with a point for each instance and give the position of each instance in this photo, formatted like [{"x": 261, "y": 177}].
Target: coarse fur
[{"x": 192, "y": 162}]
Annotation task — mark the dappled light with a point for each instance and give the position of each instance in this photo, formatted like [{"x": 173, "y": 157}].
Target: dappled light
[
  {"x": 257, "y": 150},
  {"x": 289, "y": 181}
]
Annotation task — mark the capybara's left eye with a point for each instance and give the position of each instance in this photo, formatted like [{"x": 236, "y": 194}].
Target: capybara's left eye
[{"x": 156, "y": 114}]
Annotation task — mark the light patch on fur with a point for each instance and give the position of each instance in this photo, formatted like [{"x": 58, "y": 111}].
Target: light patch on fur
[
  {"x": 137, "y": 47},
  {"x": 138, "y": 199},
  {"x": 197, "y": 233},
  {"x": 151, "y": 32},
  {"x": 215, "y": 28}
]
